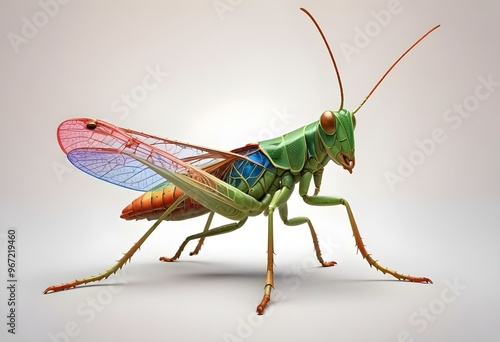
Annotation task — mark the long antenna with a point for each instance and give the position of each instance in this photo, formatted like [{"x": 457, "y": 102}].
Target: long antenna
[
  {"x": 331, "y": 56},
  {"x": 393, "y": 65}
]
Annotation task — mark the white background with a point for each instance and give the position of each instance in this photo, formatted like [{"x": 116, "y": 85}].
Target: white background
[{"x": 257, "y": 69}]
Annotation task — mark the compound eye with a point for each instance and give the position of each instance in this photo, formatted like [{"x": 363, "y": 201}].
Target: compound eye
[
  {"x": 327, "y": 122},
  {"x": 353, "y": 121}
]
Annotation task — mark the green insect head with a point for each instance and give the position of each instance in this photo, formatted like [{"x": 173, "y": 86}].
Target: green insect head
[
  {"x": 337, "y": 127},
  {"x": 337, "y": 137}
]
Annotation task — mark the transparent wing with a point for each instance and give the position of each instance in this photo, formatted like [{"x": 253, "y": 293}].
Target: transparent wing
[
  {"x": 103, "y": 151},
  {"x": 115, "y": 168}
]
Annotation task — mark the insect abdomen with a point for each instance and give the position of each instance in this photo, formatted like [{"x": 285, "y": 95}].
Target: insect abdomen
[{"x": 152, "y": 204}]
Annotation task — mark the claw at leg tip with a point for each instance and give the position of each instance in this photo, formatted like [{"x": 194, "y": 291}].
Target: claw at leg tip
[{"x": 262, "y": 306}]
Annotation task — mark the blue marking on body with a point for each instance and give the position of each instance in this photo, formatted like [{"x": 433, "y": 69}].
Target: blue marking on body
[{"x": 249, "y": 170}]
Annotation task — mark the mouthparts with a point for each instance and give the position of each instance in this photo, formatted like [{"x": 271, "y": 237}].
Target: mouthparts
[{"x": 348, "y": 164}]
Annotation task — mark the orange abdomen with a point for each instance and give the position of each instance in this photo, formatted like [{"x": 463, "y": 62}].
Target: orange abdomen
[{"x": 152, "y": 204}]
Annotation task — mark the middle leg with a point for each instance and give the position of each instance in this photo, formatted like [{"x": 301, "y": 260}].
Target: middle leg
[
  {"x": 200, "y": 242},
  {"x": 206, "y": 233}
]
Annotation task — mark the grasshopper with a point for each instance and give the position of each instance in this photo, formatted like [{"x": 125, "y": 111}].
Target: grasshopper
[{"x": 183, "y": 180}]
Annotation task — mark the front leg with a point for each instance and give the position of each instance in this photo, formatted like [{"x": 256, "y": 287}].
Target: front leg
[
  {"x": 318, "y": 176},
  {"x": 328, "y": 201},
  {"x": 301, "y": 220},
  {"x": 305, "y": 181}
]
